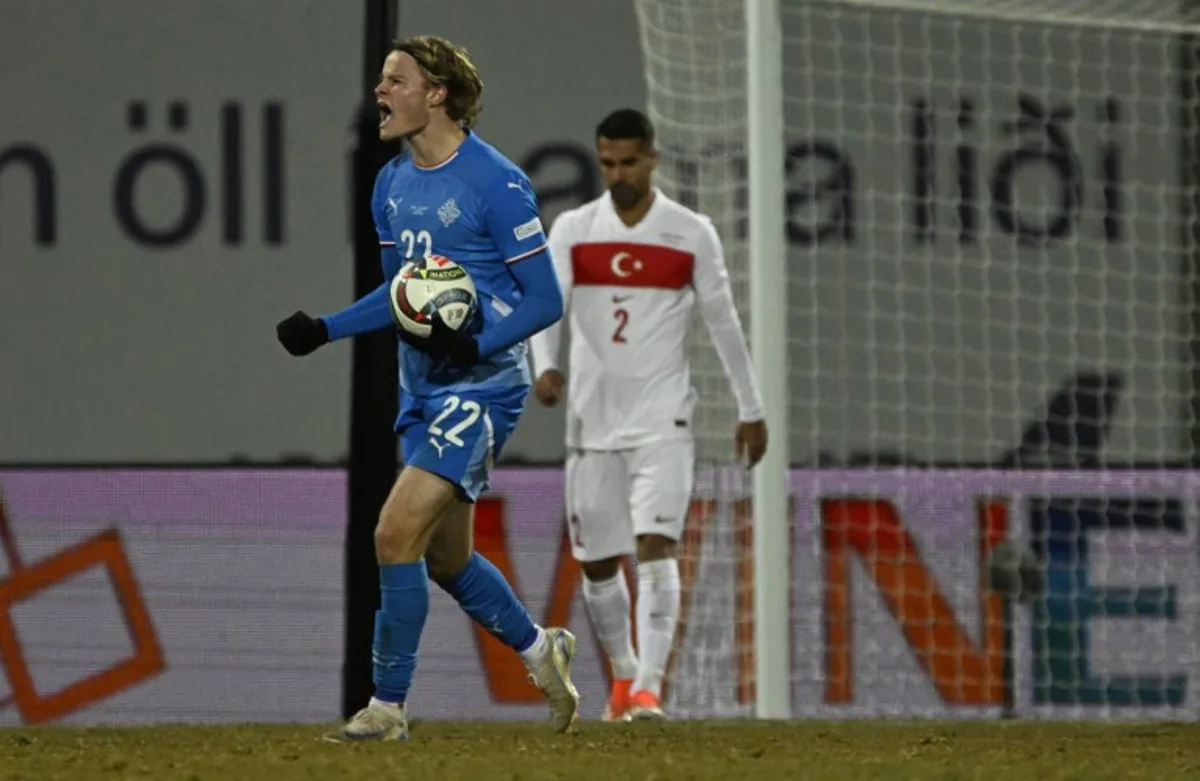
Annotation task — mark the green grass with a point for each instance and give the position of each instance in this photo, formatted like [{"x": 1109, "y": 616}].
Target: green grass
[{"x": 701, "y": 750}]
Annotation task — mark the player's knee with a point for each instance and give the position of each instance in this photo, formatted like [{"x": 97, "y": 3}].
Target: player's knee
[
  {"x": 409, "y": 516},
  {"x": 605, "y": 569},
  {"x": 655, "y": 547},
  {"x": 395, "y": 543},
  {"x": 398, "y": 536}
]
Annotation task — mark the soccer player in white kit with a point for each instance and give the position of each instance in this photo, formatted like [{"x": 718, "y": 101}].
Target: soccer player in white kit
[{"x": 632, "y": 264}]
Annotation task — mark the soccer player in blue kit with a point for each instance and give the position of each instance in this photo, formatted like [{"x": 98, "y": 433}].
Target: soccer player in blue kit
[{"x": 462, "y": 393}]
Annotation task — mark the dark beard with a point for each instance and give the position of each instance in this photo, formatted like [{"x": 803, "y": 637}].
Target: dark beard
[{"x": 625, "y": 195}]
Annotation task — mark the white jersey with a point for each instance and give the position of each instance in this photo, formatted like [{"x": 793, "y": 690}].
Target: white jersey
[{"x": 629, "y": 293}]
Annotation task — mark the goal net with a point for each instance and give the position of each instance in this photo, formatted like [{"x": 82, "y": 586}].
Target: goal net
[{"x": 991, "y": 275}]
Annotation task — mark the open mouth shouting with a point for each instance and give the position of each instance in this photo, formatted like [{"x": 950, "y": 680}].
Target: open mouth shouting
[{"x": 385, "y": 113}]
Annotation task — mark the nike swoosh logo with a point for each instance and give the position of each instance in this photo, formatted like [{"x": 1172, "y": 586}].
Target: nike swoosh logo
[{"x": 620, "y": 299}]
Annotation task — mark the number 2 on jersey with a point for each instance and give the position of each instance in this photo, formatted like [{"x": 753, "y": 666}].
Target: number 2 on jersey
[{"x": 622, "y": 318}]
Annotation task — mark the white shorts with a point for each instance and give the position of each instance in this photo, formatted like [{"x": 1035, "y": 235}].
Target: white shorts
[{"x": 615, "y": 496}]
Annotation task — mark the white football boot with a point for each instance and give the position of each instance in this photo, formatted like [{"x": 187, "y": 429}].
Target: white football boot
[
  {"x": 552, "y": 674},
  {"x": 377, "y": 721}
]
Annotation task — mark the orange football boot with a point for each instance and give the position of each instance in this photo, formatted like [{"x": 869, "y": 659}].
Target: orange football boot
[
  {"x": 618, "y": 701},
  {"x": 644, "y": 705}
]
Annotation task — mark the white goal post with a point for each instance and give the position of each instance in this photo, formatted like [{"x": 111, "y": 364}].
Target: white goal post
[
  {"x": 963, "y": 237},
  {"x": 767, "y": 261}
]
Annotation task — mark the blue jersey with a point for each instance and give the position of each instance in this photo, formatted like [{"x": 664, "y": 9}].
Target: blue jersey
[{"x": 478, "y": 209}]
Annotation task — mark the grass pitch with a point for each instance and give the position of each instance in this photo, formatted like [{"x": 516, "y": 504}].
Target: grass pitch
[{"x": 681, "y": 750}]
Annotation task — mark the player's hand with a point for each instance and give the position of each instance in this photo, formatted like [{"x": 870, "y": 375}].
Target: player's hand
[
  {"x": 412, "y": 340},
  {"x": 549, "y": 387},
  {"x": 301, "y": 334},
  {"x": 751, "y": 441},
  {"x": 444, "y": 343}
]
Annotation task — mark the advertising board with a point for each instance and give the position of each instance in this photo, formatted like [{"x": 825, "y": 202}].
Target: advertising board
[{"x": 217, "y": 595}]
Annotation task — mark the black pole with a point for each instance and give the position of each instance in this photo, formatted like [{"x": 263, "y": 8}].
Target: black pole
[
  {"x": 374, "y": 382},
  {"x": 1189, "y": 152}
]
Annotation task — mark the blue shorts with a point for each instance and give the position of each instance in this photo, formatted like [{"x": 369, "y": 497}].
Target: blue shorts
[{"x": 459, "y": 435}]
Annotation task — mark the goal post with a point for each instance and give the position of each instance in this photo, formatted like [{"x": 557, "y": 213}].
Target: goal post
[
  {"x": 962, "y": 235},
  {"x": 767, "y": 268}
]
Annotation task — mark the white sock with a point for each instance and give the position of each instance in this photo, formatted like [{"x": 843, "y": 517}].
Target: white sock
[
  {"x": 607, "y": 603},
  {"x": 657, "y": 615},
  {"x": 394, "y": 708},
  {"x": 535, "y": 652}
]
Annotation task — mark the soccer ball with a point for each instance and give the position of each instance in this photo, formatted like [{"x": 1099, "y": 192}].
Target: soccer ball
[{"x": 431, "y": 287}]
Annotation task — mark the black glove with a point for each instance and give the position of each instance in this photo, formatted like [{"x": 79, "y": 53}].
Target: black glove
[
  {"x": 444, "y": 343},
  {"x": 301, "y": 334},
  {"x": 412, "y": 340}
]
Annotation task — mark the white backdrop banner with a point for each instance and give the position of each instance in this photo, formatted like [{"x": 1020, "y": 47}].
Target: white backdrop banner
[{"x": 155, "y": 225}]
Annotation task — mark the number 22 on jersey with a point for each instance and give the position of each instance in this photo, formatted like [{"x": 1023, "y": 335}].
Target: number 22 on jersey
[
  {"x": 411, "y": 242},
  {"x": 453, "y": 436}
]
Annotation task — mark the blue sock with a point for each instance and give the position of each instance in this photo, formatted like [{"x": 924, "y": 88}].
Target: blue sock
[
  {"x": 485, "y": 595},
  {"x": 404, "y": 591}
]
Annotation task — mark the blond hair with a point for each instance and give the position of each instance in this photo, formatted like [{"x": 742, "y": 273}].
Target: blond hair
[{"x": 445, "y": 64}]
